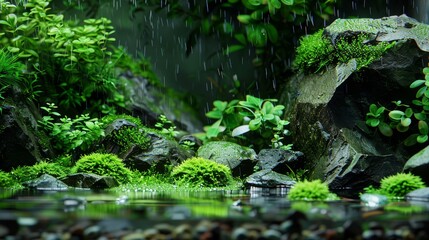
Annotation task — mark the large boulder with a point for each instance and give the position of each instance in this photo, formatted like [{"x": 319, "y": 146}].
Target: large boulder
[
  {"x": 21, "y": 142},
  {"x": 148, "y": 101},
  {"x": 418, "y": 164},
  {"x": 241, "y": 160},
  {"x": 327, "y": 111}
]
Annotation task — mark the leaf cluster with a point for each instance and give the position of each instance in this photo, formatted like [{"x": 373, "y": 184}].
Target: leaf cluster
[
  {"x": 254, "y": 115},
  {"x": 69, "y": 134},
  {"x": 71, "y": 63},
  {"x": 6, "y": 181},
  {"x": 26, "y": 173},
  {"x": 404, "y": 116},
  {"x": 200, "y": 172},
  {"x": 103, "y": 165},
  {"x": 166, "y": 127},
  {"x": 316, "y": 52}
]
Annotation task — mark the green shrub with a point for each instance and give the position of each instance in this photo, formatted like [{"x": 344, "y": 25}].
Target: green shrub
[
  {"x": 104, "y": 165},
  {"x": 6, "y": 180},
  {"x": 200, "y": 172},
  {"x": 400, "y": 184},
  {"x": 26, "y": 173},
  {"x": 310, "y": 190}
]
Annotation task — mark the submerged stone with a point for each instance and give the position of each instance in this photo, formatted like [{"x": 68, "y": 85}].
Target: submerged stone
[
  {"x": 269, "y": 178},
  {"x": 46, "y": 182}
]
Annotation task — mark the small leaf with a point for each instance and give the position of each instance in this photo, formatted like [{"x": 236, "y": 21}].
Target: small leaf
[
  {"x": 420, "y": 116},
  {"x": 233, "y": 48},
  {"x": 421, "y": 91},
  {"x": 255, "y": 124},
  {"x": 240, "y": 130},
  {"x": 372, "y": 122},
  {"x": 426, "y": 70},
  {"x": 287, "y": 2},
  {"x": 422, "y": 138},
  {"x": 401, "y": 128},
  {"x": 214, "y": 114},
  {"x": 417, "y": 83},
  {"x": 406, "y": 122},
  {"x": 423, "y": 128},
  {"x": 396, "y": 115},
  {"x": 273, "y": 35},
  {"x": 255, "y": 2},
  {"x": 221, "y": 105},
  {"x": 411, "y": 140},
  {"x": 244, "y": 18},
  {"x": 409, "y": 112},
  {"x": 385, "y": 129},
  {"x": 241, "y": 38}
]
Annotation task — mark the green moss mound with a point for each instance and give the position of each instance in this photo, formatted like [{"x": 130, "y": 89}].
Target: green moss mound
[
  {"x": 6, "y": 180},
  {"x": 310, "y": 190},
  {"x": 200, "y": 172},
  {"x": 27, "y": 173},
  {"x": 105, "y": 165},
  {"x": 400, "y": 184}
]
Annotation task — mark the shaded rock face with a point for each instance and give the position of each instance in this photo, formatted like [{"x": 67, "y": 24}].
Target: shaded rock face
[
  {"x": 269, "y": 178},
  {"x": 46, "y": 182},
  {"x": 149, "y": 101},
  {"x": 278, "y": 160},
  {"x": 88, "y": 180},
  {"x": 162, "y": 154},
  {"x": 241, "y": 160},
  {"x": 21, "y": 143},
  {"x": 418, "y": 164},
  {"x": 327, "y": 111}
]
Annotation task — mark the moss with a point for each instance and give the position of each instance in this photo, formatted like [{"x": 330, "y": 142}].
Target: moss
[
  {"x": 310, "y": 190},
  {"x": 200, "y": 172},
  {"x": 6, "y": 181},
  {"x": 109, "y": 119},
  {"x": 316, "y": 51},
  {"x": 400, "y": 184},
  {"x": 26, "y": 173},
  {"x": 104, "y": 165}
]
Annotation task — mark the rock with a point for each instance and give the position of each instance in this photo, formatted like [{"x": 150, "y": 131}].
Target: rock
[
  {"x": 89, "y": 180},
  {"x": 149, "y": 101},
  {"x": 162, "y": 154},
  {"x": 418, "y": 164},
  {"x": 46, "y": 182},
  {"x": 110, "y": 144},
  {"x": 278, "y": 160},
  {"x": 268, "y": 178},
  {"x": 241, "y": 160},
  {"x": 374, "y": 200},
  {"x": 21, "y": 142},
  {"x": 327, "y": 111},
  {"x": 419, "y": 195}
]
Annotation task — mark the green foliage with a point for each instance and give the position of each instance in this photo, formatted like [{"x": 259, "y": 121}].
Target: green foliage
[
  {"x": 404, "y": 117},
  {"x": 129, "y": 137},
  {"x": 108, "y": 119},
  {"x": 315, "y": 51},
  {"x": 10, "y": 70},
  {"x": 69, "y": 134},
  {"x": 254, "y": 115},
  {"x": 71, "y": 63},
  {"x": 104, "y": 165},
  {"x": 200, "y": 172},
  {"x": 166, "y": 126},
  {"x": 26, "y": 173},
  {"x": 310, "y": 190},
  {"x": 6, "y": 181},
  {"x": 400, "y": 184}
]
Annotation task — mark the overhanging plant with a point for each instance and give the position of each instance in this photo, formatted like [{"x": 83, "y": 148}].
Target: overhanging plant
[
  {"x": 255, "y": 122},
  {"x": 404, "y": 117}
]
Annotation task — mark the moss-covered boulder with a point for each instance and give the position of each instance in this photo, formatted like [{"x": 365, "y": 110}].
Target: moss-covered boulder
[
  {"x": 241, "y": 160},
  {"x": 327, "y": 110}
]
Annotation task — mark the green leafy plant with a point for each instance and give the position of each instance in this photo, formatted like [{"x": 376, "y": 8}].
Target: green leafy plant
[
  {"x": 200, "y": 172},
  {"x": 71, "y": 63},
  {"x": 69, "y": 134},
  {"x": 310, "y": 190},
  {"x": 404, "y": 117},
  {"x": 316, "y": 52},
  {"x": 6, "y": 181},
  {"x": 166, "y": 126},
  {"x": 104, "y": 165},
  {"x": 254, "y": 115},
  {"x": 26, "y": 173}
]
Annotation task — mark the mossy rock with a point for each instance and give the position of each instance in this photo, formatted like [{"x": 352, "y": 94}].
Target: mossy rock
[{"x": 103, "y": 165}]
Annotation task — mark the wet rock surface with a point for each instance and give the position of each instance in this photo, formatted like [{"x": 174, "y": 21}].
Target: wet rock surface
[
  {"x": 89, "y": 180},
  {"x": 45, "y": 182}
]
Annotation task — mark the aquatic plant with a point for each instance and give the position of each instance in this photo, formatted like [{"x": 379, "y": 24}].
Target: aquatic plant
[
  {"x": 400, "y": 184},
  {"x": 69, "y": 134},
  {"x": 316, "y": 52},
  {"x": 26, "y": 173},
  {"x": 166, "y": 127},
  {"x": 70, "y": 62},
  {"x": 310, "y": 190},
  {"x": 105, "y": 165},
  {"x": 241, "y": 118},
  {"x": 405, "y": 117},
  {"x": 200, "y": 172},
  {"x": 6, "y": 180}
]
